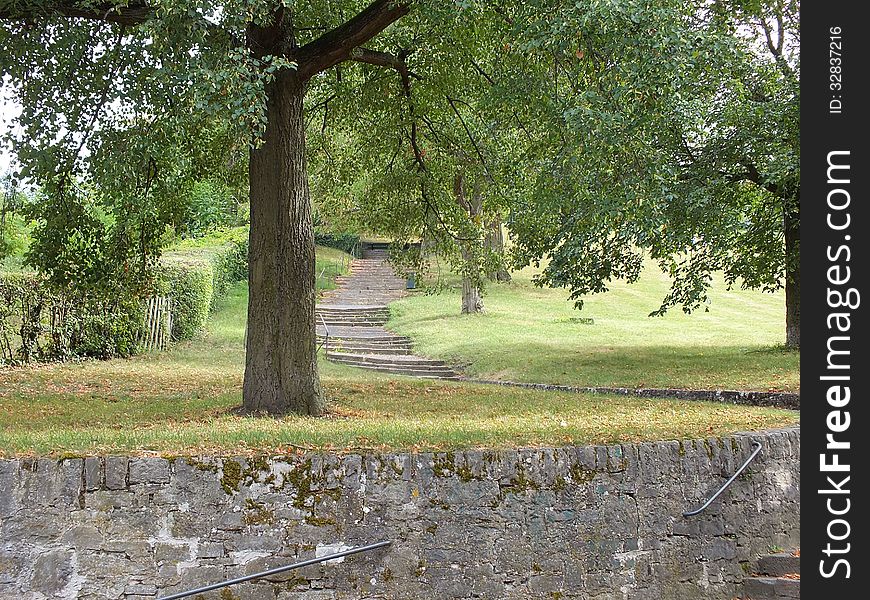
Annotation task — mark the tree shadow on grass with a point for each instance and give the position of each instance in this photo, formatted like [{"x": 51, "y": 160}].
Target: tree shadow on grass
[{"x": 682, "y": 367}]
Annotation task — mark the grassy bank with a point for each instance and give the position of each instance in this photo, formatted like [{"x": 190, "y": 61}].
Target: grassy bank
[
  {"x": 183, "y": 401},
  {"x": 535, "y": 335}
]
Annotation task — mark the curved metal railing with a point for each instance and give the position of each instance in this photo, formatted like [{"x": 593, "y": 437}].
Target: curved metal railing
[
  {"x": 727, "y": 483},
  {"x": 299, "y": 565}
]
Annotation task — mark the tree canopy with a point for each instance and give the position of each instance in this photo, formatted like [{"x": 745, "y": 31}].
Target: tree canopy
[
  {"x": 605, "y": 130},
  {"x": 672, "y": 130}
]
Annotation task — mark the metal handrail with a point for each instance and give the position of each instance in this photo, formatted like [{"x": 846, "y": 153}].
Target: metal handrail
[
  {"x": 325, "y": 328},
  {"x": 727, "y": 483},
  {"x": 304, "y": 563}
]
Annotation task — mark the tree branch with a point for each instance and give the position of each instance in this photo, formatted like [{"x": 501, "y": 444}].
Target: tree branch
[
  {"x": 379, "y": 59},
  {"x": 337, "y": 45},
  {"x": 397, "y": 62},
  {"x": 133, "y": 12},
  {"x": 477, "y": 150}
]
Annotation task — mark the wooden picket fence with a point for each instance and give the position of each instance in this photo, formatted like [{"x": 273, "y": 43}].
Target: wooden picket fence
[{"x": 158, "y": 323}]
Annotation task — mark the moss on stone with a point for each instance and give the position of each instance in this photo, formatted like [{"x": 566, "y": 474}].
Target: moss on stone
[
  {"x": 709, "y": 448},
  {"x": 295, "y": 582},
  {"x": 421, "y": 568},
  {"x": 302, "y": 479},
  {"x": 319, "y": 521},
  {"x": 258, "y": 464},
  {"x": 444, "y": 466},
  {"x": 256, "y": 513},
  {"x": 200, "y": 465},
  {"x": 439, "y": 503},
  {"x": 231, "y": 478},
  {"x": 69, "y": 456},
  {"x": 580, "y": 474}
]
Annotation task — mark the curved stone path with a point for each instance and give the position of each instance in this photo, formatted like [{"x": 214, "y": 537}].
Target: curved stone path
[{"x": 351, "y": 318}]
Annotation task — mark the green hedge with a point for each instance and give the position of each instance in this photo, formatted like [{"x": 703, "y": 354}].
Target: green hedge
[
  {"x": 197, "y": 273},
  {"x": 348, "y": 242},
  {"x": 39, "y": 323}
]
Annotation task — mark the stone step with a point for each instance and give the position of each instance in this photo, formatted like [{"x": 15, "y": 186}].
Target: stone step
[
  {"x": 353, "y": 323},
  {"x": 380, "y": 320},
  {"x": 777, "y": 565},
  {"x": 395, "y": 366},
  {"x": 771, "y": 588},
  {"x": 361, "y": 335},
  {"x": 333, "y": 347},
  {"x": 352, "y": 316},
  {"x": 362, "y": 348},
  {"x": 373, "y": 339},
  {"x": 399, "y": 360},
  {"x": 373, "y": 283},
  {"x": 352, "y": 308},
  {"x": 421, "y": 373},
  {"x": 366, "y": 341}
]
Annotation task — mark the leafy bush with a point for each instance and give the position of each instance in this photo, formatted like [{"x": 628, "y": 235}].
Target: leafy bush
[
  {"x": 348, "y": 242},
  {"x": 197, "y": 273},
  {"x": 40, "y": 322}
]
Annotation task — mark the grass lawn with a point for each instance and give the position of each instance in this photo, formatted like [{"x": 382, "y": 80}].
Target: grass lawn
[
  {"x": 534, "y": 335},
  {"x": 182, "y": 402}
]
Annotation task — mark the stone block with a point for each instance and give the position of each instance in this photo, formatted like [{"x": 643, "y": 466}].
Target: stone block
[
  {"x": 149, "y": 470},
  {"x": 116, "y": 472}
]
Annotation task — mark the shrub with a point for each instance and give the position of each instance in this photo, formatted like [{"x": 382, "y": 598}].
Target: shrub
[
  {"x": 348, "y": 242},
  {"x": 42, "y": 321},
  {"x": 191, "y": 287},
  {"x": 39, "y": 322},
  {"x": 208, "y": 205},
  {"x": 196, "y": 273}
]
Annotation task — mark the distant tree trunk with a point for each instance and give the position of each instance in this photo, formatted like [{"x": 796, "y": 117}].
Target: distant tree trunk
[
  {"x": 281, "y": 355},
  {"x": 495, "y": 242},
  {"x": 472, "y": 298},
  {"x": 791, "y": 227}
]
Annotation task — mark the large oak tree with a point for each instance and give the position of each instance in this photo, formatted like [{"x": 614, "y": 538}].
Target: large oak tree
[{"x": 85, "y": 72}]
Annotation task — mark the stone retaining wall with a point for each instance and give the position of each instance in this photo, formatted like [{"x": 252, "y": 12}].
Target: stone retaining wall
[
  {"x": 787, "y": 400},
  {"x": 598, "y": 522}
]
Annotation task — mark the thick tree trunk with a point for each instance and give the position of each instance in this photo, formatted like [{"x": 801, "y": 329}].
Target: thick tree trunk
[
  {"x": 495, "y": 242},
  {"x": 472, "y": 298},
  {"x": 791, "y": 226},
  {"x": 281, "y": 360}
]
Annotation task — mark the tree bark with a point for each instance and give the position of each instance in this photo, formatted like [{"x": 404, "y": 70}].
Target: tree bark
[
  {"x": 472, "y": 298},
  {"x": 791, "y": 227},
  {"x": 495, "y": 242},
  {"x": 281, "y": 349}
]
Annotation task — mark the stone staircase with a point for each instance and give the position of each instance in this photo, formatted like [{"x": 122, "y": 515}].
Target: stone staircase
[
  {"x": 776, "y": 576},
  {"x": 351, "y": 319}
]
